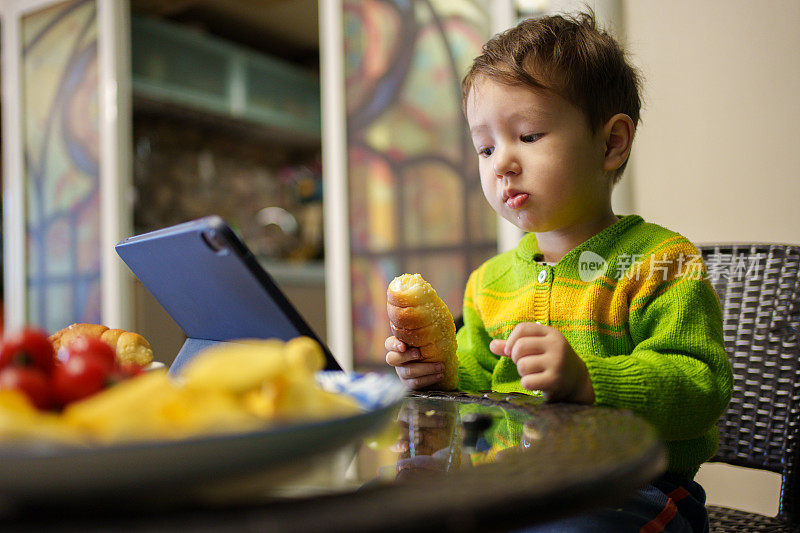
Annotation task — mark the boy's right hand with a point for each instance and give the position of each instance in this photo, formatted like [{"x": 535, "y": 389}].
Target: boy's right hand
[{"x": 414, "y": 373}]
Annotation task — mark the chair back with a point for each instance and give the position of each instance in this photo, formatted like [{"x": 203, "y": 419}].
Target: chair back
[{"x": 759, "y": 288}]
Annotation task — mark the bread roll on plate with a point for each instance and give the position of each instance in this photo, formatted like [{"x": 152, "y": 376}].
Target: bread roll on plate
[
  {"x": 65, "y": 336},
  {"x": 419, "y": 318},
  {"x": 129, "y": 347}
]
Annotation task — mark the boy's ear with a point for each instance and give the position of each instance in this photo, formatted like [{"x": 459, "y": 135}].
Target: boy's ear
[{"x": 618, "y": 134}]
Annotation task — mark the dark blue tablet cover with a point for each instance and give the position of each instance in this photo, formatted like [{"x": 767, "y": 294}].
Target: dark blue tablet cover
[{"x": 212, "y": 286}]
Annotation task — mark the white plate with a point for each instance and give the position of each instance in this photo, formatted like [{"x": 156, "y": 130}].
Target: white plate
[
  {"x": 51, "y": 472},
  {"x": 155, "y": 365}
]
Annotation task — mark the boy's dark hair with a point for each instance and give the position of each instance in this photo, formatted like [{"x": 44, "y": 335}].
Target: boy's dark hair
[{"x": 569, "y": 55}]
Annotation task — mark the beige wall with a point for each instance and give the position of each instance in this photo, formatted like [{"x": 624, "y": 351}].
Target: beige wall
[{"x": 718, "y": 153}]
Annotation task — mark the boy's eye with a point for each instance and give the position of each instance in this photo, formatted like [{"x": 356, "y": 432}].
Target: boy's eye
[
  {"x": 530, "y": 137},
  {"x": 486, "y": 152}
]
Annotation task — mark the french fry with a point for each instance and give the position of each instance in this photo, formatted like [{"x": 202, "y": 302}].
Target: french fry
[
  {"x": 122, "y": 411},
  {"x": 304, "y": 354},
  {"x": 21, "y": 421},
  {"x": 235, "y": 367}
]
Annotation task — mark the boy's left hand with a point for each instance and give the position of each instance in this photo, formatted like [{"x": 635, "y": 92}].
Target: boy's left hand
[{"x": 546, "y": 362}]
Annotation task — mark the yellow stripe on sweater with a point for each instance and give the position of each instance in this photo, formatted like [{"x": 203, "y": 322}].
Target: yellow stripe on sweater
[
  {"x": 669, "y": 243},
  {"x": 500, "y": 295},
  {"x": 504, "y": 329},
  {"x": 512, "y": 295},
  {"x": 590, "y": 327},
  {"x": 571, "y": 304}
]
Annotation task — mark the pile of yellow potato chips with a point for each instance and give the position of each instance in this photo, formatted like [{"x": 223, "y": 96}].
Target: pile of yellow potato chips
[{"x": 237, "y": 386}]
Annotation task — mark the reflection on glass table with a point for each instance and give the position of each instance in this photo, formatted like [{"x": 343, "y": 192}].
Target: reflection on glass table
[{"x": 444, "y": 460}]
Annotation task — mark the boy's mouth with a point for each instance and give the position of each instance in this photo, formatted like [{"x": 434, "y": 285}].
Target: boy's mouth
[{"x": 514, "y": 199}]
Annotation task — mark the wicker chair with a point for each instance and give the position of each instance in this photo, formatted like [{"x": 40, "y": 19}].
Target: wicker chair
[{"x": 759, "y": 288}]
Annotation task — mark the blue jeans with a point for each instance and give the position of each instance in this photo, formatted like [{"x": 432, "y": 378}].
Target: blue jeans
[{"x": 671, "y": 504}]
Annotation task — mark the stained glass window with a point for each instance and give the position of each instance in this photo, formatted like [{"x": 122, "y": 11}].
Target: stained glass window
[
  {"x": 415, "y": 199},
  {"x": 60, "y": 113}
]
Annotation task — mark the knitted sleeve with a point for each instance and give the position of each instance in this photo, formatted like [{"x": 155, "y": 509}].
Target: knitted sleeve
[
  {"x": 475, "y": 361},
  {"x": 678, "y": 376}
]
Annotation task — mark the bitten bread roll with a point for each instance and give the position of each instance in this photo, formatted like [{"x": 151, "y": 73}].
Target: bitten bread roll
[
  {"x": 418, "y": 317},
  {"x": 129, "y": 347}
]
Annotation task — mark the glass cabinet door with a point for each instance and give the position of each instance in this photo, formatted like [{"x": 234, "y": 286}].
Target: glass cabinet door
[
  {"x": 414, "y": 196},
  {"x": 64, "y": 165}
]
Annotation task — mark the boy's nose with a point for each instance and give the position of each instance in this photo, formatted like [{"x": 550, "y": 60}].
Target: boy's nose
[{"x": 505, "y": 163}]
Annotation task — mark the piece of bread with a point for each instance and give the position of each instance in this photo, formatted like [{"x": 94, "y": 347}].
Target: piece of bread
[
  {"x": 129, "y": 347},
  {"x": 419, "y": 318},
  {"x": 64, "y": 336},
  {"x": 111, "y": 336},
  {"x": 133, "y": 348}
]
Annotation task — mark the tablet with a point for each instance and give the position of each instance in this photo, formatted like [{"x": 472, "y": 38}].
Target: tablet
[{"x": 210, "y": 283}]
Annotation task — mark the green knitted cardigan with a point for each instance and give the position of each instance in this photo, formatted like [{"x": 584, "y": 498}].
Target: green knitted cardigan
[{"x": 635, "y": 304}]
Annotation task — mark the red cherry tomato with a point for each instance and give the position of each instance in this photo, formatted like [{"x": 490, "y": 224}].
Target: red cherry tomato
[
  {"x": 123, "y": 372},
  {"x": 30, "y": 381},
  {"x": 28, "y": 347},
  {"x": 93, "y": 347},
  {"x": 80, "y": 376}
]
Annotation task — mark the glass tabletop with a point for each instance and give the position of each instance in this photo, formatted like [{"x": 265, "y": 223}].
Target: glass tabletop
[
  {"x": 425, "y": 437},
  {"x": 441, "y": 457}
]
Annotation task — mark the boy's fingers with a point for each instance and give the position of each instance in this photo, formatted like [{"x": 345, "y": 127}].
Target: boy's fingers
[
  {"x": 394, "y": 344},
  {"x": 527, "y": 329},
  {"x": 401, "y": 358},
  {"x": 544, "y": 382},
  {"x": 530, "y": 365},
  {"x": 522, "y": 347},
  {"x": 424, "y": 381},
  {"x": 526, "y": 346},
  {"x": 522, "y": 330},
  {"x": 497, "y": 347},
  {"x": 539, "y": 381},
  {"x": 418, "y": 370}
]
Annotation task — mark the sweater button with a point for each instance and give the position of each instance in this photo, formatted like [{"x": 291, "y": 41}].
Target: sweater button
[{"x": 542, "y": 276}]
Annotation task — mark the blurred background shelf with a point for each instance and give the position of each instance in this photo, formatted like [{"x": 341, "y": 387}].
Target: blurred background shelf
[
  {"x": 291, "y": 273},
  {"x": 226, "y": 120},
  {"x": 176, "y": 66}
]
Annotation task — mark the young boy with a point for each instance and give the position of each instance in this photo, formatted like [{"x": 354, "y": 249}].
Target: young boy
[{"x": 590, "y": 307}]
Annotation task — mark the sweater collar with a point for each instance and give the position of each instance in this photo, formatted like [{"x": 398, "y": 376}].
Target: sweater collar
[{"x": 601, "y": 244}]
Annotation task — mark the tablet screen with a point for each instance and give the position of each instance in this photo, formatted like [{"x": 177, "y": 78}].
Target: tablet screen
[{"x": 211, "y": 284}]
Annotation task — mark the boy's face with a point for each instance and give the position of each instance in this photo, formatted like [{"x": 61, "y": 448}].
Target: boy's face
[{"x": 541, "y": 166}]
